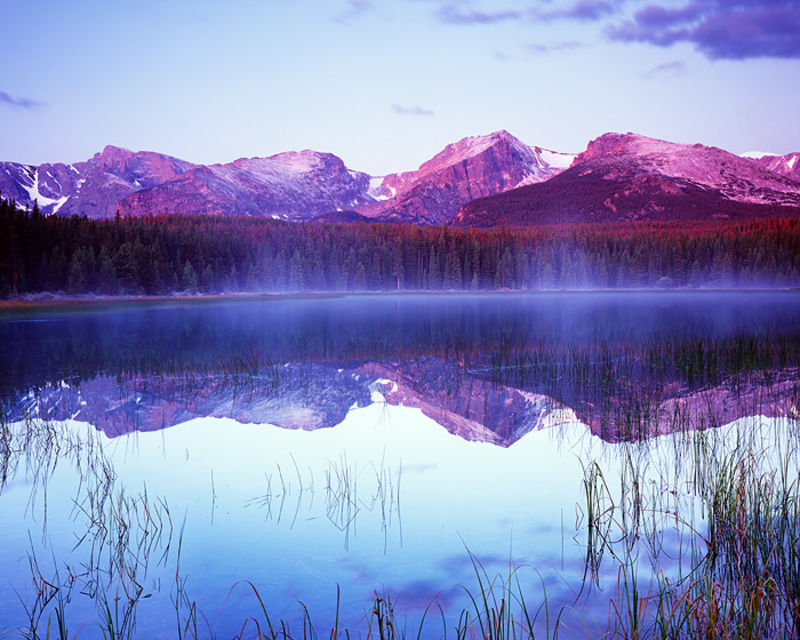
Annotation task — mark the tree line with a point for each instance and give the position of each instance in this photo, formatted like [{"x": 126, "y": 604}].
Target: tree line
[{"x": 155, "y": 255}]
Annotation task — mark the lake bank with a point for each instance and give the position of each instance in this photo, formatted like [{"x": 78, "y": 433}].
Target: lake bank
[{"x": 44, "y": 302}]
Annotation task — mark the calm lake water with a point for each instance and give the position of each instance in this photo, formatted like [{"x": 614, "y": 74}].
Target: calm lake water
[{"x": 185, "y": 470}]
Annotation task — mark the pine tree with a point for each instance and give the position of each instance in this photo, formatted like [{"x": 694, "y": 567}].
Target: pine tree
[
  {"x": 434, "y": 275},
  {"x": 296, "y": 276},
  {"x": 189, "y": 280},
  {"x": 127, "y": 268},
  {"x": 107, "y": 281},
  {"x": 77, "y": 277},
  {"x": 452, "y": 271},
  {"x": 360, "y": 278}
]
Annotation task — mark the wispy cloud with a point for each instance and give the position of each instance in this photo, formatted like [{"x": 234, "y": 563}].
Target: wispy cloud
[
  {"x": 411, "y": 110},
  {"x": 720, "y": 29},
  {"x": 581, "y": 10},
  {"x": 353, "y": 10},
  {"x": 19, "y": 102},
  {"x": 556, "y": 46},
  {"x": 460, "y": 14},
  {"x": 465, "y": 12},
  {"x": 676, "y": 68}
]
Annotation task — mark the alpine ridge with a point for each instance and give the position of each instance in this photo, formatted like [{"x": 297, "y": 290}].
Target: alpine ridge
[
  {"x": 480, "y": 181},
  {"x": 92, "y": 188},
  {"x": 470, "y": 168},
  {"x": 295, "y": 185},
  {"x": 628, "y": 177},
  {"x": 291, "y": 186}
]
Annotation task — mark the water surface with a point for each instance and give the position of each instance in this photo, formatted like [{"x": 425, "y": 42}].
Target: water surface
[{"x": 171, "y": 461}]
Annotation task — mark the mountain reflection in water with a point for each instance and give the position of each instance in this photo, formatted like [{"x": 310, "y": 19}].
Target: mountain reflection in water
[{"x": 486, "y": 367}]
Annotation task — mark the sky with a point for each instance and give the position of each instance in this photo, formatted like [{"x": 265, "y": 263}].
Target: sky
[{"x": 385, "y": 84}]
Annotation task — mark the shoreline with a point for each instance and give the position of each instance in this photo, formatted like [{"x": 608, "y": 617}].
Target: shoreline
[{"x": 55, "y": 301}]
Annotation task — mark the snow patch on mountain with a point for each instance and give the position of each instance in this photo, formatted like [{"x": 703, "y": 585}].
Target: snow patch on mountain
[
  {"x": 34, "y": 195},
  {"x": 376, "y": 190},
  {"x": 755, "y": 155},
  {"x": 556, "y": 159}
]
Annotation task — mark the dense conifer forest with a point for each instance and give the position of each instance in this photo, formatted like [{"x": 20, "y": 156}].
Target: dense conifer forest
[{"x": 166, "y": 254}]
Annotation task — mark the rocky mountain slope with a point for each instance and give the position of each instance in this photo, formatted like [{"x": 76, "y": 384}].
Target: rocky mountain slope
[
  {"x": 92, "y": 188},
  {"x": 788, "y": 165},
  {"x": 626, "y": 177},
  {"x": 293, "y": 185},
  {"x": 480, "y": 181},
  {"x": 470, "y": 168}
]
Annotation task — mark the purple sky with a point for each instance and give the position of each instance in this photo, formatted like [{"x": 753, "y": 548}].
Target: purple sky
[{"x": 386, "y": 83}]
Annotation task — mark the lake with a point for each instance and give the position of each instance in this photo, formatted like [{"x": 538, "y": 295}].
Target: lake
[{"x": 419, "y": 465}]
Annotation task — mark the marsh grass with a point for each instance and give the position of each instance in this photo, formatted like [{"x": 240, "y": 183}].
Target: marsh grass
[
  {"x": 742, "y": 577},
  {"x": 349, "y": 490},
  {"x": 119, "y": 533},
  {"x": 735, "y": 508}
]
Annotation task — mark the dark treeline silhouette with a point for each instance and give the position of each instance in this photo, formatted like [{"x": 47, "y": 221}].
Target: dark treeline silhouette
[{"x": 164, "y": 254}]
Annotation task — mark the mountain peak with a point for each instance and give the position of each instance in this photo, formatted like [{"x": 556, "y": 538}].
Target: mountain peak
[
  {"x": 614, "y": 144},
  {"x": 471, "y": 147},
  {"x": 112, "y": 152},
  {"x": 470, "y": 168},
  {"x": 111, "y": 148},
  {"x": 293, "y": 163},
  {"x": 112, "y": 157}
]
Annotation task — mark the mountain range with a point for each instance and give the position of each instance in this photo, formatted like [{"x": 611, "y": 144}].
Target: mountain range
[{"x": 480, "y": 181}]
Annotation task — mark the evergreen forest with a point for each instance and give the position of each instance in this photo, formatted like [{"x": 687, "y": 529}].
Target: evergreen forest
[{"x": 159, "y": 255}]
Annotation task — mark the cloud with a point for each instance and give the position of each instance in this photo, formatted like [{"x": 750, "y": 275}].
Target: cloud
[
  {"x": 662, "y": 16},
  {"x": 19, "y": 102},
  {"x": 458, "y": 14},
  {"x": 676, "y": 67},
  {"x": 464, "y": 13},
  {"x": 582, "y": 11},
  {"x": 353, "y": 10},
  {"x": 556, "y": 46},
  {"x": 720, "y": 29},
  {"x": 413, "y": 110}
]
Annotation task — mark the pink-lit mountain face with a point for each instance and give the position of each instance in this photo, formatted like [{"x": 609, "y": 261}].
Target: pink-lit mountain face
[
  {"x": 479, "y": 181},
  {"x": 626, "y": 177},
  {"x": 294, "y": 185},
  {"x": 468, "y": 169},
  {"x": 92, "y": 188},
  {"x": 291, "y": 186},
  {"x": 788, "y": 165}
]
